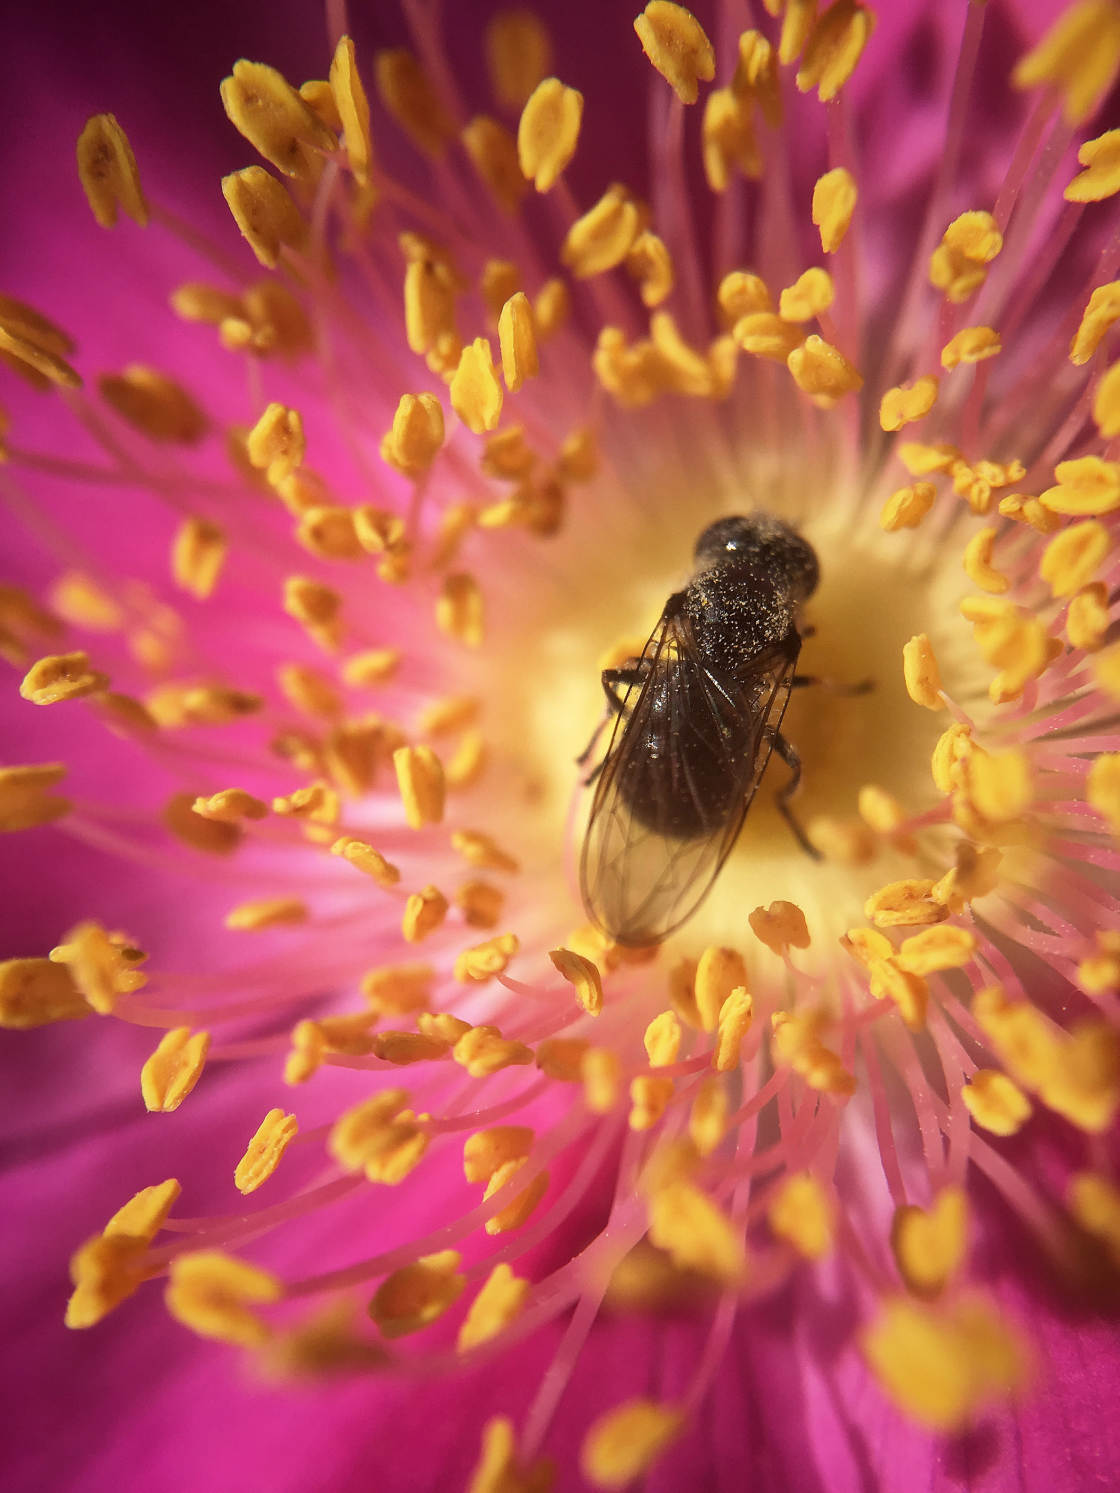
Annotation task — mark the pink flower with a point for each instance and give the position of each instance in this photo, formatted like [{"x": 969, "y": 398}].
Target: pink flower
[{"x": 318, "y": 567}]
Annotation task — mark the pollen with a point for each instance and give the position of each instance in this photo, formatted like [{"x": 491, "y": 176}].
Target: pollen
[
  {"x": 959, "y": 264},
  {"x": 604, "y": 235},
  {"x": 735, "y": 1018},
  {"x": 810, "y": 294},
  {"x": 662, "y": 1040},
  {"x": 59, "y": 677},
  {"x": 398, "y": 989},
  {"x": 499, "y": 1302},
  {"x": 487, "y": 1151},
  {"x": 353, "y": 108},
  {"x": 970, "y": 345},
  {"x": 1087, "y": 486},
  {"x": 37, "y": 992},
  {"x": 548, "y": 132},
  {"x": 908, "y": 991},
  {"x": 833, "y": 48},
  {"x": 921, "y": 674},
  {"x": 517, "y": 340},
  {"x": 906, "y": 507},
  {"x": 107, "y": 168},
  {"x": 197, "y": 556},
  {"x": 742, "y": 293},
  {"x": 781, "y": 927},
  {"x": 902, "y": 904},
  {"x": 173, "y": 1069},
  {"x": 936, "y": 949},
  {"x": 1087, "y": 618},
  {"x": 215, "y": 1295},
  {"x": 25, "y": 797},
  {"x": 834, "y": 203},
  {"x": 719, "y": 972},
  {"x": 420, "y": 781},
  {"x": 929, "y": 1247},
  {"x": 907, "y": 403},
  {"x": 276, "y": 443},
  {"x": 1101, "y": 313},
  {"x": 483, "y": 1050},
  {"x": 649, "y": 1099},
  {"x": 266, "y": 912},
  {"x": 264, "y": 1152},
  {"x": 822, "y": 371},
  {"x": 363, "y": 857},
  {"x": 625, "y": 1442},
  {"x": 1078, "y": 57},
  {"x": 267, "y": 110},
  {"x": 514, "y": 1214},
  {"x": 995, "y": 1102},
  {"x": 103, "y": 965},
  {"x": 108, "y": 1268},
  {"x": 476, "y": 394},
  {"x": 695, "y": 1234},
  {"x": 265, "y": 213},
  {"x": 999, "y": 784},
  {"x": 584, "y": 977},
  {"x": 802, "y": 1213},
  {"x": 418, "y": 1294},
  {"x": 674, "y": 41},
  {"x": 424, "y": 912},
  {"x": 977, "y": 561}
]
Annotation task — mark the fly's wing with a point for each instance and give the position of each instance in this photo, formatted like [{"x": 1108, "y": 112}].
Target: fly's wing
[{"x": 640, "y": 883}]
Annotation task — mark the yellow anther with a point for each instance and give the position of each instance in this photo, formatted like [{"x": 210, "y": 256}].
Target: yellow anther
[
  {"x": 684, "y": 368},
  {"x": 834, "y": 202},
  {"x": 514, "y": 1214},
  {"x": 907, "y": 403},
  {"x": 309, "y": 690},
  {"x": 198, "y": 553},
  {"x": 929, "y": 1247},
  {"x": 485, "y": 960},
  {"x": 262, "y": 1156},
  {"x": 481, "y": 850},
  {"x": 493, "y": 150},
  {"x": 802, "y": 1213},
  {"x": 370, "y": 668},
  {"x": 499, "y": 1302},
  {"x": 809, "y": 295},
  {"x": 920, "y": 671},
  {"x": 421, "y": 785},
  {"x": 210, "y": 836},
  {"x": 674, "y": 41},
  {"x": 944, "y": 1364},
  {"x": 424, "y": 912},
  {"x": 685, "y": 1223},
  {"x": 995, "y": 1102},
  {"x": 649, "y": 1099},
  {"x": 602, "y": 1080},
  {"x": 977, "y": 561},
  {"x": 625, "y": 1442},
  {"x": 330, "y": 533},
  {"x": 848, "y": 842},
  {"x": 103, "y": 966},
  {"x": 25, "y": 797},
  {"x": 1100, "y": 314},
  {"x": 276, "y": 443},
  {"x": 999, "y": 784},
  {"x": 651, "y": 264},
  {"x": 833, "y": 48},
  {"x": 404, "y": 1048},
  {"x": 517, "y": 340},
  {"x": 904, "y": 904},
  {"x": 1101, "y": 176},
  {"x": 476, "y": 393},
  {"x": 1100, "y": 971},
  {"x": 756, "y": 75},
  {"x": 399, "y": 1151},
  {"x": 1084, "y": 1086},
  {"x": 936, "y": 949},
  {"x": 430, "y": 286},
  {"x": 548, "y": 132},
  {"x": 970, "y": 345},
  {"x": 1087, "y": 618},
  {"x": 604, "y": 235},
  {"x": 561, "y": 1058},
  {"x": 80, "y": 600},
  {"x": 59, "y": 677},
  {"x": 707, "y": 1119},
  {"x": 741, "y": 294},
  {"x": 551, "y": 307},
  {"x": 867, "y": 945},
  {"x": 110, "y": 1266},
  {"x": 727, "y": 139},
  {"x": 880, "y": 810},
  {"x": 735, "y": 1018},
  {"x": 34, "y": 346},
  {"x": 1106, "y": 402},
  {"x": 364, "y": 858},
  {"x": 1087, "y": 486},
  {"x": 36, "y": 992},
  {"x": 153, "y": 404},
  {"x": 1103, "y": 788},
  {"x": 486, "y": 1152},
  {"x": 352, "y": 106},
  {"x": 906, "y": 508},
  {"x": 173, "y": 1069},
  {"x": 499, "y": 281},
  {"x": 583, "y": 975},
  {"x": 442, "y": 1026},
  {"x": 822, "y": 371},
  {"x": 266, "y": 912},
  {"x": 264, "y": 212},
  {"x": 216, "y": 1295},
  {"x": 269, "y": 112},
  {"x": 398, "y": 989},
  {"x": 359, "y": 1133},
  {"x": 909, "y": 992},
  {"x": 1094, "y": 1202},
  {"x": 920, "y": 460},
  {"x": 1078, "y": 57},
  {"x": 781, "y": 927},
  {"x": 719, "y": 972},
  {"x": 459, "y": 609},
  {"x": 518, "y": 55},
  {"x": 958, "y": 265},
  {"x": 411, "y": 98},
  {"x": 318, "y": 802},
  {"x": 319, "y": 98},
  {"x": 498, "y": 1469},
  {"x": 107, "y": 168},
  {"x": 196, "y": 301},
  {"x": 663, "y": 1040}
]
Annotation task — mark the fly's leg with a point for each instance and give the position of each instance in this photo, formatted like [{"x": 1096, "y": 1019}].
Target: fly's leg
[
  {"x": 792, "y": 758},
  {"x": 617, "y": 684}
]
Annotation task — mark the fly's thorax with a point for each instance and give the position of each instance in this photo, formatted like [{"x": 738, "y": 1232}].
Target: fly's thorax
[
  {"x": 739, "y": 612},
  {"x": 764, "y": 542}
]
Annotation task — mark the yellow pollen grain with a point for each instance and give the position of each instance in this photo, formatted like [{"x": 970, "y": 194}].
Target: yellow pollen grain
[
  {"x": 485, "y": 960},
  {"x": 1106, "y": 402},
  {"x": 499, "y": 1302},
  {"x": 602, "y": 1075},
  {"x": 822, "y": 371},
  {"x": 107, "y": 168},
  {"x": 420, "y": 782},
  {"x": 37, "y": 992},
  {"x": 995, "y": 1102},
  {"x": 1094, "y": 1202},
  {"x": 264, "y": 1152},
  {"x": 266, "y": 912},
  {"x": 1103, "y": 788},
  {"x": 215, "y": 1295},
  {"x": 1101, "y": 176},
  {"x": 902, "y": 904},
  {"x": 781, "y": 927},
  {"x": 25, "y": 797},
  {"x": 1101, "y": 313},
  {"x": 476, "y": 393},
  {"x": 834, "y": 202},
  {"x": 583, "y": 975},
  {"x": 649, "y": 1099},
  {"x": 459, "y": 609},
  {"x": 548, "y": 132},
  {"x": 907, "y": 403},
  {"x": 363, "y": 857},
  {"x": 517, "y": 340},
  {"x": 424, "y": 912},
  {"x": 1086, "y": 486},
  {"x": 268, "y": 111},
  {"x": 1078, "y": 57},
  {"x": 264, "y": 212},
  {"x": 944, "y": 1364},
  {"x": 604, "y": 235},
  {"x": 921, "y": 674},
  {"x": 809, "y": 295},
  {"x": 707, "y": 1118},
  {"x": 651, "y": 264},
  {"x": 718, "y": 973},
  {"x": 276, "y": 444},
  {"x": 970, "y": 345},
  {"x": 198, "y": 553},
  {"x": 802, "y": 1213},
  {"x": 833, "y": 48},
  {"x": 173, "y": 1069},
  {"x": 60, "y": 677},
  {"x": 353, "y": 108},
  {"x": 625, "y": 1442},
  {"x": 493, "y": 152},
  {"x": 977, "y": 562},
  {"x": 662, "y": 1040},
  {"x": 417, "y": 1294},
  {"x": 906, "y": 507},
  {"x": 735, "y": 1018},
  {"x": 929, "y": 1247},
  {"x": 411, "y": 98},
  {"x": 675, "y": 43},
  {"x": 696, "y": 1234}
]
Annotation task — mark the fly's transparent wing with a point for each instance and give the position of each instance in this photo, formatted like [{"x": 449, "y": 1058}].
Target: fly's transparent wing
[{"x": 686, "y": 756}]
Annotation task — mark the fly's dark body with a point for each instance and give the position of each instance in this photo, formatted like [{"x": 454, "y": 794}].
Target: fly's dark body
[{"x": 698, "y": 716}]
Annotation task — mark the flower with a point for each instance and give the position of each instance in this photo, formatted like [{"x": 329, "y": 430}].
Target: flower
[{"x": 322, "y": 579}]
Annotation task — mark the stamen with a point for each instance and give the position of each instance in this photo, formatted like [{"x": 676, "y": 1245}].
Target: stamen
[
  {"x": 548, "y": 132},
  {"x": 215, "y": 1295},
  {"x": 410, "y": 97},
  {"x": 264, "y": 1152},
  {"x": 834, "y": 202},
  {"x": 198, "y": 554},
  {"x": 59, "y": 677},
  {"x": 996, "y": 1103},
  {"x": 626, "y": 1441},
  {"x": 499, "y": 1302},
  {"x": 418, "y": 1294},
  {"x": 929, "y": 1247},
  {"x": 36, "y": 992},
  {"x": 353, "y": 108},
  {"x": 107, "y": 168},
  {"x": 421, "y": 783},
  {"x": 25, "y": 799},
  {"x": 264, "y": 212},
  {"x": 267, "y": 110},
  {"x": 583, "y": 975},
  {"x": 173, "y": 1069},
  {"x": 1078, "y": 56},
  {"x": 803, "y": 1214}
]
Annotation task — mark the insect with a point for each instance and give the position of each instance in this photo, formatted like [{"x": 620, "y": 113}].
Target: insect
[{"x": 697, "y": 717}]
